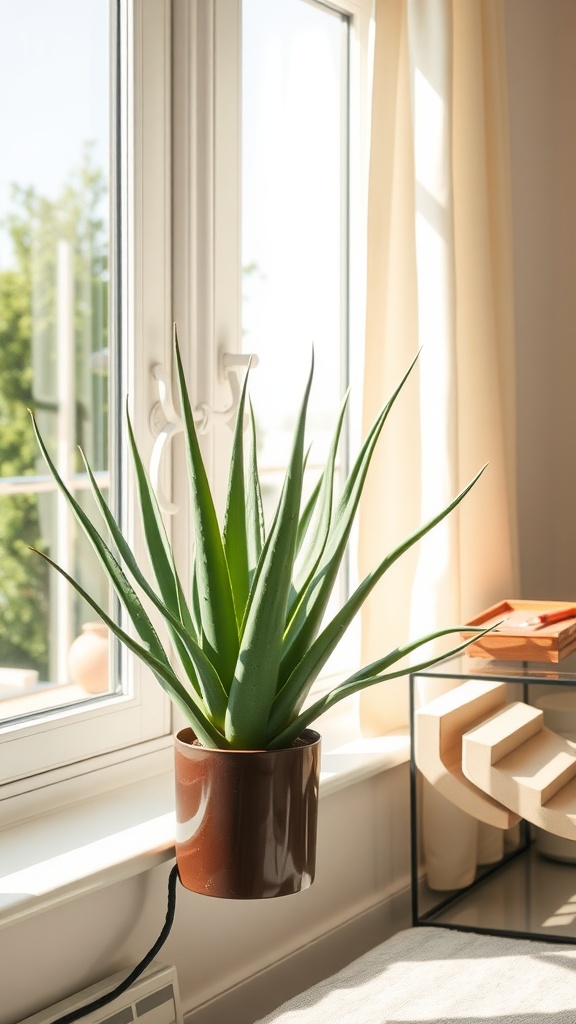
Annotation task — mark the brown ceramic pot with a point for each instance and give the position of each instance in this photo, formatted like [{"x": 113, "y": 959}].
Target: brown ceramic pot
[{"x": 246, "y": 819}]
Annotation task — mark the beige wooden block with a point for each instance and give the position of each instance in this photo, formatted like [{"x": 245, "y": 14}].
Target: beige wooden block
[
  {"x": 438, "y": 730},
  {"x": 507, "y": 729},
  {"x": 530, "y": 769}
]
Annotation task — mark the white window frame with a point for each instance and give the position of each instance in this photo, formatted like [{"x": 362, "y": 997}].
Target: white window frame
[
  {"x": 182, "y": 240},
  {"x": 108, "y": 732}
]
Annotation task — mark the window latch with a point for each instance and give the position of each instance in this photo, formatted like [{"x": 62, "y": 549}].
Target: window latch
[{"x": 165, "y": 422}]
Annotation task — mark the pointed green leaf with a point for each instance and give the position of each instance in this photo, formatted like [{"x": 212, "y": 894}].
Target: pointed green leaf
[
  {"x": 307, "y": 513},
  {"x": 195, "y": 606},
  {"x": 159, "y": 550},
  {"x": 196, "y": 664},
  {"x": 235, "y": 529},
  {"x": 199, "y": 671},
  {"x": 158, "y": 662},
  {"x": 219, "y": 628},
  {"x": 317, "y": 533},
  {"x": 309, "y": 614},
  {"x": 191, "y": 655},
  {"x": 254, "y": 510},
  {"x": 254, "y": 683},
  {"x": 293, "y": 694},
  {"x": 354, "y": 684},
  {"x": 114, "y": 571}
]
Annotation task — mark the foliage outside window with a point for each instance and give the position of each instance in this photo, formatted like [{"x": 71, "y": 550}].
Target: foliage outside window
[{"x": 38, "y": 229}]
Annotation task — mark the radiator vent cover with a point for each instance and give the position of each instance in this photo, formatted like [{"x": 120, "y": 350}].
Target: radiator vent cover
[{"x": 152, "y": 999}]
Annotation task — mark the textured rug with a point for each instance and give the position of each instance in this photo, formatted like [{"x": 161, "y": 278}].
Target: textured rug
[{"x": 440, "y": 976}]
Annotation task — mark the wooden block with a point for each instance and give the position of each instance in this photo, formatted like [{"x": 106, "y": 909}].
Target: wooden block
[
  {"x": 513, "y": 639},
  {"x": 438, "y": 730},
  {"x": 530, "y": 769},
  {"x": 504, "y": 731}
]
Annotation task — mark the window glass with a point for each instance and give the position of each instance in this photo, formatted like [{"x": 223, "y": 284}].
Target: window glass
[
  {"x": 294, "y": 221},
  {"x": 54, "y": 297}
]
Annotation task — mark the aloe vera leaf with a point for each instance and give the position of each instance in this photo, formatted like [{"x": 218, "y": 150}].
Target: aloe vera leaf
[
  {"x": 368, "y": 673},
  {"x": 286, "y": 736},
  {"x": 310, "y": 611},
  {"x": 292, "y": 695},
  {"x": 182, "y": 622},
  {"x": 216, "y": 698},
  {"x": 254, "y": 684},
  {"x": 255, "y": 514},
  {"x": 219, "y": 627},
  {"x": 199, "y": 670},
  {"x": 194, "y": 660},
  {"x": 120, "y": 541},
  {"x": 317, "y": 533},
  {"x": 114, "y": 571},
  {"x": 159, "y": 549},
  {"x": 235, "y": 529},
  {"x": 195, "y": 604},
  {"x": 306, "y": 515},
  {"x": 265, "y": 540},
  {"x": 261, "y": 538},
  {"x": 158, "y": 663}
]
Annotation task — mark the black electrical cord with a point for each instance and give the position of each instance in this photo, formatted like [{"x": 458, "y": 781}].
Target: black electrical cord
[{"x": 96, "y": 1004}]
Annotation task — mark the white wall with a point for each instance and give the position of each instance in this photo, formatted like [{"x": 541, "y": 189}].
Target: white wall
[
  {"x": 362, "y": 861},
  {"x": 541, "y": 36}
]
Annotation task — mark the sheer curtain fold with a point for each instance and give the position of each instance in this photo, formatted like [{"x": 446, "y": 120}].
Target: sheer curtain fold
[{"x": 439, "y": 280}]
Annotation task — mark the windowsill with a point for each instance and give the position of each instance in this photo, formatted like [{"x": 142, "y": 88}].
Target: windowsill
[
  {"x": 129, "y": 830},
  {"x": 38, "y": 697}
]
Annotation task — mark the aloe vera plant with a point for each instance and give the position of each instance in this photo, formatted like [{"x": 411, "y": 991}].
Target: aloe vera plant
[{"x": 250, "y": 638}]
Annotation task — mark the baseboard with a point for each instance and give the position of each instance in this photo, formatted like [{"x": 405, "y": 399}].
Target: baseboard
[{"x": 259, "y": 994}]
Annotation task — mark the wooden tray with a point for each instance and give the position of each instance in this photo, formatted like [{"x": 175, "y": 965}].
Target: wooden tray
[{"x": 511, "y": 642}]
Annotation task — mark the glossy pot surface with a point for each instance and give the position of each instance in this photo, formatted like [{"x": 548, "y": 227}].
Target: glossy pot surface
[{"x": 246, "y": 820}]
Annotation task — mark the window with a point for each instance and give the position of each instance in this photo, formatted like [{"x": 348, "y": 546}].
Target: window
[
  {"x": 79, "y": 282},
  {"x": 295, "y": 152},
  {"x": 54, "y": 265},
  {"x": 210, "y": 135},
  {"x": 279, "y": 265},
  {"x": 295, "y": 136}
]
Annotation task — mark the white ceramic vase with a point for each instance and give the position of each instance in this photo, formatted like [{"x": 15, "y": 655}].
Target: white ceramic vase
[{"x": 88, "y": 658}]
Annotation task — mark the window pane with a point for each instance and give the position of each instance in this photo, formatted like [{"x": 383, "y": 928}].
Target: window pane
[
  {"x": 54, "y": 245},
  {"x": 294, "y": 220}
]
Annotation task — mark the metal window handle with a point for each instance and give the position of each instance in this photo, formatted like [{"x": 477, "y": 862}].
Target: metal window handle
[{"x": 165, "y": 422}]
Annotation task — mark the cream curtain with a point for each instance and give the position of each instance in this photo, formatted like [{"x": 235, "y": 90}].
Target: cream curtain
[{"x": 439, "y": 278}]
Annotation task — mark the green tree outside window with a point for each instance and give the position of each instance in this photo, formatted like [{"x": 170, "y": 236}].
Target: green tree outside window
[{"x": 36, "y": 227}]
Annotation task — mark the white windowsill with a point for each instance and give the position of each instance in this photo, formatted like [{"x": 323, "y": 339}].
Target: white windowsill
[{"x": 110, "y": 837}]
